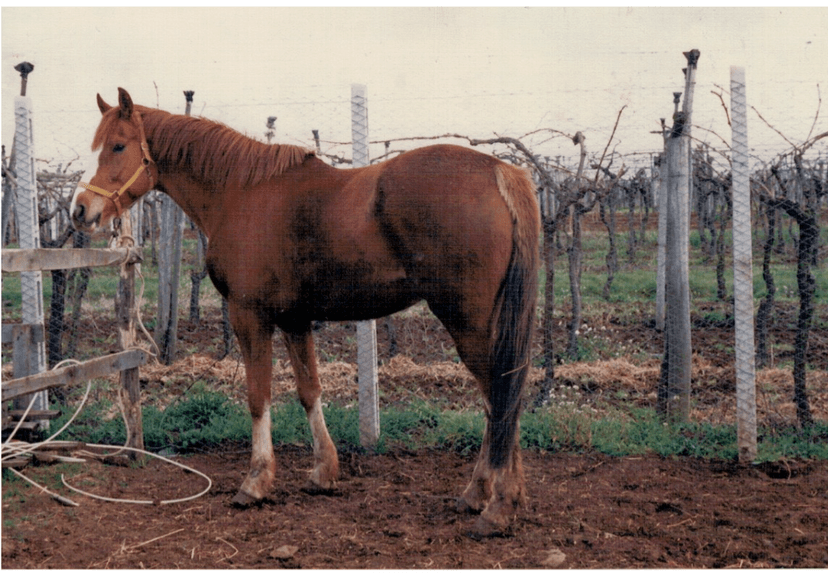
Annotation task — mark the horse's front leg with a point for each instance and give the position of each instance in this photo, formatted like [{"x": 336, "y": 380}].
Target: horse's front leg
[
  {"x": 301, "y": 352},
  {"x": 256, "y": 342}
]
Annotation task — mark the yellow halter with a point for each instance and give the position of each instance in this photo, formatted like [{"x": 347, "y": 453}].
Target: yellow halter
[{"x": 115, "y": 196}]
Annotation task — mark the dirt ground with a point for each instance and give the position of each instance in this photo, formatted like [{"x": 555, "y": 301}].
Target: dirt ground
[{"x": 397, "y": 511}]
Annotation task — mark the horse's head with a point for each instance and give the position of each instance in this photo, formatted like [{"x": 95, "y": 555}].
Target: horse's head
[{"x": 125, "y": 172}]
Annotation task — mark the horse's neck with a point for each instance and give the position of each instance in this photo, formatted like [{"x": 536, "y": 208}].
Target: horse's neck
[
  {"x": 184, "y": 188},
  {"x": 199, "y": 203}
]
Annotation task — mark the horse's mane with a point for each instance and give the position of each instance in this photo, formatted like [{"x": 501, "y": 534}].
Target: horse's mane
[{"x": 209, "y": 151}]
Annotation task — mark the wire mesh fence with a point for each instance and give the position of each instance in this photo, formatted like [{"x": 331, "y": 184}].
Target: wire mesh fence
[{"x": 79, "y": 303}]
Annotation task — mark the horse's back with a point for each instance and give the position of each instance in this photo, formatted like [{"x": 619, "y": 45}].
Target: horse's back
[{"x": 441, "y": 209}]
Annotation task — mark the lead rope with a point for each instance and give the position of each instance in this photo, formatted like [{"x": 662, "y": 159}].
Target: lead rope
[{"x": 117, "y": 241}]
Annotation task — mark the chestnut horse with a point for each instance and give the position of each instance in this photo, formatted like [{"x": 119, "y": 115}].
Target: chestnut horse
[{"x": 293, "y": 240}]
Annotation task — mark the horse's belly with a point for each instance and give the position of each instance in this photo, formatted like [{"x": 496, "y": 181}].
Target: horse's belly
[{"x": 355, "y": 302}]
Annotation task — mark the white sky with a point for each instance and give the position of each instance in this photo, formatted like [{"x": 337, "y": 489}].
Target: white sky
[{"x": 428, "y": 71}]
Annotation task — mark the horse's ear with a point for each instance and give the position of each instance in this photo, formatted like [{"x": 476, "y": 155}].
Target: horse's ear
[
  {"x": 125, "y": 102},
  {"x": 102, "y": 105}
]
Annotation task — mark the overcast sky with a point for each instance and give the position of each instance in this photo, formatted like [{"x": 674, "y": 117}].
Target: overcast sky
[{"x": 476, "y": 71}]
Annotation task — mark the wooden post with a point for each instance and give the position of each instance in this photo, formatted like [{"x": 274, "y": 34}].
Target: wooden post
[
  {"x": 660, "y": 185},
  {"x": 125, "y": 313},
  {"x": 369, "y": 428},
  {"x": 199, "y": 271},
  {"x": 169, "y": 272},
  {"x": 271, "y": 128},
  {"x": 674, "y": 391},
  {"x": 169, "y": 268},
  {"x": 317, "y": 142}
]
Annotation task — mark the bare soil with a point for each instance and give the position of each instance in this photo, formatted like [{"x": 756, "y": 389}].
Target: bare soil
[{"x": 397, "y": 511}]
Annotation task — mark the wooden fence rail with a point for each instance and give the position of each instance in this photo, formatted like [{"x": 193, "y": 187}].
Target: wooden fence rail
[
  {"x": 16, "y": 260},
  {"x": 91, "y": 369}
]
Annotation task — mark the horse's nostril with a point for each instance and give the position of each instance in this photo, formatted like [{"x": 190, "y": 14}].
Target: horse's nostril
[{"x": 78, "y": 213}]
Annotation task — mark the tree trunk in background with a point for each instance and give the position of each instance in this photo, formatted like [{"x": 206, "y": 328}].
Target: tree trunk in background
[
  {"x": 808, "y": 241},
  {"x": 766, "y": 306},
  {"x": 547, "y": 321},
  {"x": 632, "y": 240},
  {"x": 724, "y": 210},
  {"x": 575, "y": 257},
  {"x": 197, "y": 276},
  {"x": 608, "y": 205},
  {"x": 57, "y": 307},
  {"x": 78, "y": 283}
]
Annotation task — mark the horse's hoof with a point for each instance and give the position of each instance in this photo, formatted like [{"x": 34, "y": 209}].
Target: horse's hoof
[
  {"x": 313, "y": 488},
  {"x": 463, "y": 507},
  {"x": 484, "y": 528},
  {"x": 244, "y": 500}
]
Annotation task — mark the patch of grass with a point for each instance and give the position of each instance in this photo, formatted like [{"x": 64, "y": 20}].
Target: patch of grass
[
  {"x": 459, "y": 431},
  {"x": 206, "y": 419},
  {"x": 792, "y": 442},
  {"x": 98, "y": 423},
  {"x": 290, "y": 424}
]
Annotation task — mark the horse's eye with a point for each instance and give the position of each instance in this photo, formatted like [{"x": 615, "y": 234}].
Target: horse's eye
[{"x": 118, "y": 148}]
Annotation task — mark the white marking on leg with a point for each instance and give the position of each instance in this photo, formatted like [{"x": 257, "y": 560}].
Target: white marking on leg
[
  {"x": 319, "y": 430},
  {"x": 326, "y": 466},
  {"x": 262, "y": 440}
]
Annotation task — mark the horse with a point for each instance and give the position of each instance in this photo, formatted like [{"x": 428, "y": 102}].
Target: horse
[{"x": 292, "y": 241}]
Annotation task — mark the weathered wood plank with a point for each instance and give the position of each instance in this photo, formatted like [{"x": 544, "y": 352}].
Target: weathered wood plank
[
  {"x": 65, "y": 445},
  {"x": 26, "y": 340},
  {"x": 92, "y": 369},
  {"x": 16, "y": 260},
  {"x": 16, "y": 462},
  {"x": 52, "y": 457},
  {"x": 33, "y": 414},
  {"x": 15, "y": 331}
]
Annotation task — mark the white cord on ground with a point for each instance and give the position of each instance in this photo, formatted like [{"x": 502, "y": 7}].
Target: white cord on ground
[
  {"x": 59, "y": 498},
  {"x": 129, "y": 501}
]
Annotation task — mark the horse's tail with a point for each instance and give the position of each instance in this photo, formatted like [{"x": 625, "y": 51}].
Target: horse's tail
[{"x": 515, "y": 312}]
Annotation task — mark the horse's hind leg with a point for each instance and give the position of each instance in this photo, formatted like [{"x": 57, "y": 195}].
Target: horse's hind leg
[
  {"x": 497, "y": 486},
  {"x": 255, "y": 340},
  {"x": 326, "y": 465}
]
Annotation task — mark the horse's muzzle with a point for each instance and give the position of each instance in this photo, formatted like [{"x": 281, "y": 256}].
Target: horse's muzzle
[{"x": 79, "y": 220}]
